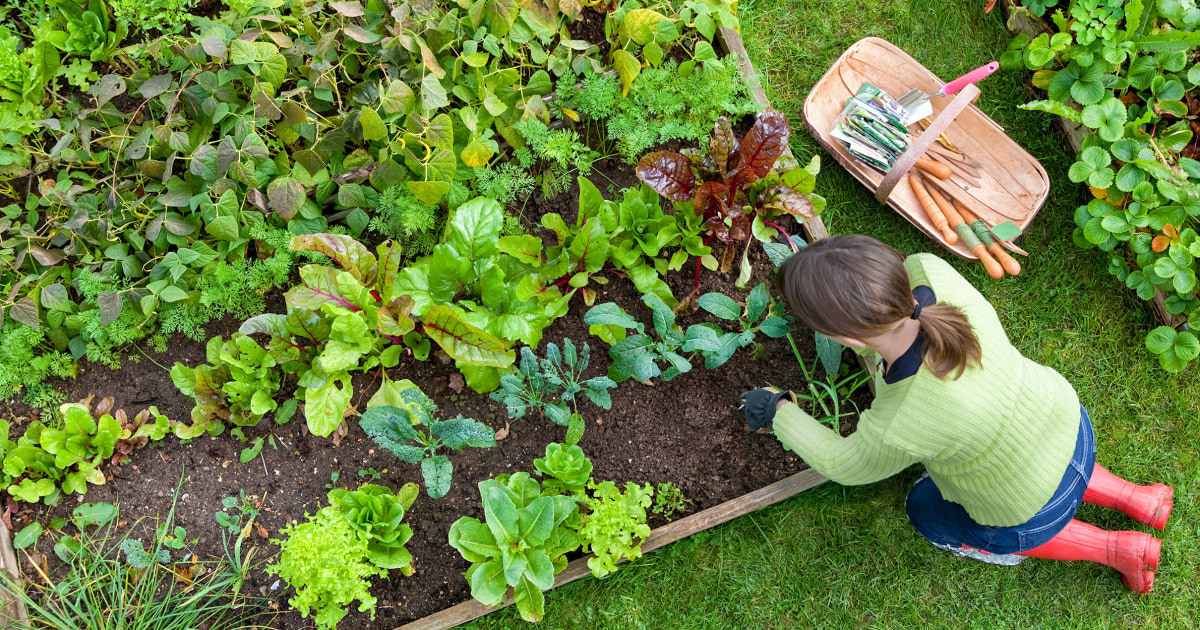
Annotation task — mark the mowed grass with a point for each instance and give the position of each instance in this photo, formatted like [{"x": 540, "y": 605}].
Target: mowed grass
[{"x": 845, "y": 557}]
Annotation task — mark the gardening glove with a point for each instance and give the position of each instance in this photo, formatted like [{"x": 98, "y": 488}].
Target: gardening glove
[{"x": 759, "y": 405}]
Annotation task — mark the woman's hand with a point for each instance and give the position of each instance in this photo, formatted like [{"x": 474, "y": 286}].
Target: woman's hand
[{"x": 760, "y": 406}]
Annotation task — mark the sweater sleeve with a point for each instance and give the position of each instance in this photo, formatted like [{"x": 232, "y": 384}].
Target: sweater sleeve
[{"x": 861, "y": 458}]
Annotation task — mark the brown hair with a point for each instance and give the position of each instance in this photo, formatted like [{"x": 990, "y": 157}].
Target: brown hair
[{"x": 854, "y": 286}]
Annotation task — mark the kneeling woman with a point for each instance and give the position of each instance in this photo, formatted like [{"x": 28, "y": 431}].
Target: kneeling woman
[{"x": 1008, "y": 449}]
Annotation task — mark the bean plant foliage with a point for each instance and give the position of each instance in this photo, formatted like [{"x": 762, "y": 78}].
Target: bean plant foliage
[{"x": 1126, "y": 71}]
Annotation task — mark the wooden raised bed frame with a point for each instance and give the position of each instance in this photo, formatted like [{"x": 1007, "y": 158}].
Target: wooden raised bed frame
[
  {"x": 700, "y": 521},
  {"x": 11, "y": 611}
]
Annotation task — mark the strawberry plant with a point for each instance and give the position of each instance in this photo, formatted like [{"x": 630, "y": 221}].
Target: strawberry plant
[{"x": 393, "y": 427}]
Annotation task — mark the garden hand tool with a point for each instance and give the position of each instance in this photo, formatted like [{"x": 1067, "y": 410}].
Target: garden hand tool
[
  {"x": 759, "y": 405},
  {"x": 935, "y": 213},
  {"x": 917, "y": 104},
  {"x": 967, "y": 235},
  {"x": 1011, "y": 266}
]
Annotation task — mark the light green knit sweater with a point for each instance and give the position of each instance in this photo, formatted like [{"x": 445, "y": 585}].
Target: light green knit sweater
[{"x": 996, "y": 441}]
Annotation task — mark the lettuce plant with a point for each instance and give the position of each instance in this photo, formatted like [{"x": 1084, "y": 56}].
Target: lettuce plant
[
  {"x": 393, "y": 427},
  {"x": 325, "y": 560},
  {"x": 615, "y": 528},
  {"x": 375, "y": 513},
  {"x": 522, "y": 544},
  {"x": 568, "y": 469},
  {"x": 64, "y": 455},
  {"x": 238, "y": 383},
  {"x": 583, "y": 249}
]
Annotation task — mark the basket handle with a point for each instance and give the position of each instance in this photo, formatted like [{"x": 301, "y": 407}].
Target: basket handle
[{"x": 918, "y": 148}]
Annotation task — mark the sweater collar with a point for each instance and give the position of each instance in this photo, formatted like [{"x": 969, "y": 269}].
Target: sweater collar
[{"x": 910, "y": 362}]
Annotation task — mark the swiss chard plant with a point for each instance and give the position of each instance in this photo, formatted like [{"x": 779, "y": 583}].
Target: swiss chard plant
[
  {"x": 1123, "y": 70},
  {"x": 356, "y": 317},
  {"x": 394, "y": 427},
  {"x": 737, "y": 185},
  {"x": 758, "y": 315},
  {"x": 552, "y": 389},
  {"x": 520, "y": 546},
  {"x": 615, "y": 526},
  {"x": 65, "y": 455},
  {"x": 468, "y": 294}
]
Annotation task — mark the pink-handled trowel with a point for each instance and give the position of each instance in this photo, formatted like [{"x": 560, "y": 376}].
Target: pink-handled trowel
[{"x": 917, "y": 104}]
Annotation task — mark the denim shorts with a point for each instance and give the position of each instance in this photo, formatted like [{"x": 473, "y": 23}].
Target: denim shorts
[{"x": 947, "y": 523}]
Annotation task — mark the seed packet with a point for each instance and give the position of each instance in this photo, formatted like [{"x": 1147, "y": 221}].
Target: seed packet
[{"x": 871, "y": 126}]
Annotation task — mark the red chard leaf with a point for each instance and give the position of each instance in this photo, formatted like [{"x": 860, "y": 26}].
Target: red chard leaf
[
  {"x": 668, "y": 173},
  {"x": 710, "y": 199},
  {"x": 723, "y": 144},
  {"x": 767, "y": 140},
  {"x": 783, "y": 197}
]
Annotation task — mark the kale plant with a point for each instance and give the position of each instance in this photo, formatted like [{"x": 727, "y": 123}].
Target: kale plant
[
  {"x": 615, "y": 527},
  {"x": 548, "y": 390},
  {"x": 393, "y": 427}
]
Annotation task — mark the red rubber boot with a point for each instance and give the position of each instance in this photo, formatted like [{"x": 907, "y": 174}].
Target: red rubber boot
[
  {"x": 1134, "y": 554},
  {"x": 1145, "y": 504}
]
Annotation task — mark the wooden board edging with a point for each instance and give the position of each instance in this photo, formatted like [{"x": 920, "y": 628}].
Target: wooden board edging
[
  {"x": 12, "y": 611},
  {"x": 665, "y": 535}
]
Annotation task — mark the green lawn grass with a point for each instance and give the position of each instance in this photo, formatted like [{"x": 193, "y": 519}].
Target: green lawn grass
[{"x": 845, "y": 557}]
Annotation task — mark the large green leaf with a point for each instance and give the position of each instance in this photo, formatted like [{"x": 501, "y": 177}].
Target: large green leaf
[
  {"x": 325, "y": 407},
  {"x": 487, "y": 583},
  {"x": 350, "y": 254},
  {"x": 500, "y": 513},
  {"x": 464, "y": 342},
  {"x": 437, "y": 471},
  {"x": 475, "y": 228}
]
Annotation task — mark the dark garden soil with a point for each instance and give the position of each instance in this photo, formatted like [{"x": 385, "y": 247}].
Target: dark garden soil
[{"x": 687, "y": 431}]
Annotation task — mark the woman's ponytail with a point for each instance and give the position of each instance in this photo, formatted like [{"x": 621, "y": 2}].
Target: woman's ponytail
[
  {"x": 854, "y": 286},
  {"x": 950, "y": 343}
]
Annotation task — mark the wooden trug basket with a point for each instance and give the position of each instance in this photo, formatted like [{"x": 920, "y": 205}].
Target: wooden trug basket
[{"x": 1014, "y": 183}]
